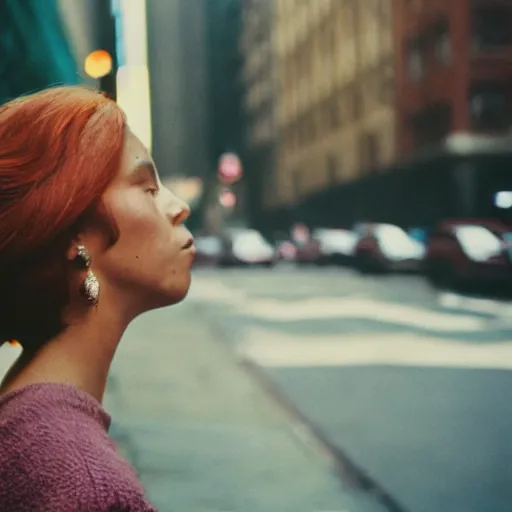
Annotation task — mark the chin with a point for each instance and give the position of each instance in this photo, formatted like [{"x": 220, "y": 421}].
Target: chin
[
  {"x": 165, "y": 299},
  {"x": 177, "y": 291},
  {"x": 176, "y": 299}
]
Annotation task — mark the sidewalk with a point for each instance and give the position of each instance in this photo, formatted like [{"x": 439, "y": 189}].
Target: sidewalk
[{"x": 203, "y": 435}]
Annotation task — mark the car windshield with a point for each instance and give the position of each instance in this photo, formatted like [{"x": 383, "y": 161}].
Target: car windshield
[
  {"x": 393, "y": 235},
  {"x": 250, "y": 239},
  {"x": 477, "y": 236},
  {"x": 333, "y": 234}
]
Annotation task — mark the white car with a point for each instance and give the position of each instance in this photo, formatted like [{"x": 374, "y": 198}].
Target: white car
[
  {"x": 247, "y": 247},
  {"x": 335, "y": 246}
]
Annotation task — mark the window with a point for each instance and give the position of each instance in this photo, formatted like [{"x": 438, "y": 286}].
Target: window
[
  {"x": 311, "y": 126},
  {"x": 443, "y": 45},
  {"x": 492, "y": 26},
  {"x": 489, "y": 108},
  {"x": 331, "y": 42},
  {"x": 333, "y": 112},
  {"x": 331, "y": 167},
  {"x": 416, "y": 60},
  {"x": 297, "y": 182},
  {"x": 382, "y": 8},
  {"x": 357, "y": 103},
  {"x": 386, "y": 91},
  {"x": 296, "y": 136},
  {"x": 414, "y": 4},
  {"x": 369, "y": 149},
  {"x": 432, "y": 125}
]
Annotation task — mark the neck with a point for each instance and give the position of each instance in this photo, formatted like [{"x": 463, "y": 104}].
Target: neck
[{"x": 80, "y": 356}]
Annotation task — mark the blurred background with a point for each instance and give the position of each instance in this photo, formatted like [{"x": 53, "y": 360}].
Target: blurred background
[{"x": 348, "y": 165}]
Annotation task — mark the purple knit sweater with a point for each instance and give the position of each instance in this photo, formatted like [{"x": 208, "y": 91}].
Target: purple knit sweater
[{"x": 56, "y": 455}]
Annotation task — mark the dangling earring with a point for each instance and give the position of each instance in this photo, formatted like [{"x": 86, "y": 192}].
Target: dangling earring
[{"x": 90, "y": 288}]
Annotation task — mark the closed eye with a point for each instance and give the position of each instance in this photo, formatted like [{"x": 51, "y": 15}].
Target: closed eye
[{"x": 144, "y": 175}]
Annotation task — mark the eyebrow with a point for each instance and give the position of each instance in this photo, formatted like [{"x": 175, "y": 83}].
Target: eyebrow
[{"x": 145, "y": 165}]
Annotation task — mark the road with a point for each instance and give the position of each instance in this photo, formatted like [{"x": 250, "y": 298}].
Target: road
[
  {"x": 411, "y": 386},
  {"x": 203, "y": 435}
]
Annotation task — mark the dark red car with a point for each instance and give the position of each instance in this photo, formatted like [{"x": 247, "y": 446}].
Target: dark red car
[
  {"x": 387, "y": 248},
  {"x": 469, "y": 251}
]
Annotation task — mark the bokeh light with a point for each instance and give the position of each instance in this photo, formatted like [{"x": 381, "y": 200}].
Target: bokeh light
[{"x": 98, "y": 64}]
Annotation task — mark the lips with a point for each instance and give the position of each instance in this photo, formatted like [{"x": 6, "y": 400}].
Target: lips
[{"x": 188, "y": 244}]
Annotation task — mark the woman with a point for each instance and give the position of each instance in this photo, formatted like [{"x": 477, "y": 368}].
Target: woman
[{"x": 89, "y": 239}]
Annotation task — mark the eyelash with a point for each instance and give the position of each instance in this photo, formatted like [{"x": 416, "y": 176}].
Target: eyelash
[{"x": 153, "y": 191}]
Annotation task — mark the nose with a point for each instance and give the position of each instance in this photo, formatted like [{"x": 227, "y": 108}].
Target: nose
[{"x": 179, "y": 211}]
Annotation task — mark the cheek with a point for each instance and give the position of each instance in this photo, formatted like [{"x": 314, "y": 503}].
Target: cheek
[{"x": 141, "y": 226}]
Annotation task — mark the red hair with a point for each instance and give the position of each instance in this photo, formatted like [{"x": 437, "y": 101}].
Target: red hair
[{"x": 59, "y": 150}]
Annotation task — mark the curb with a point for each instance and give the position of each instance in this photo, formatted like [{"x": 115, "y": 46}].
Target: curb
[{"x": 346, "y": 469}]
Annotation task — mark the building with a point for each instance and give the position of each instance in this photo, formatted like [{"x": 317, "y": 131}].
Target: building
[
  {"x": 47, "y": 43},
  {"x": 259, "y": 85},
  {"x": 90, "y": 26},
  {"x": 335, "y": 112},
  {"x": 34, "y": 48},
  {"x": 132, "y": 73},
  {"x": 98, "y": 43},
  {"x": 224, "y": 25},
  {"x": 453, "y": 70},
  {"x": 177, "y": 61}
]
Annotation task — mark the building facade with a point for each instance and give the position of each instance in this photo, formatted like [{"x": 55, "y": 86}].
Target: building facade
[
  {"x": 453, "y": 70},
  {"x": 335, "y": 93},
  {"x": 224, "y": 25},
  {"x": 35, "y": 50},
  {"x": 90, "y": 26},
  {"x": 177, "y": 61},
  {"x": 259, "y": 85}
]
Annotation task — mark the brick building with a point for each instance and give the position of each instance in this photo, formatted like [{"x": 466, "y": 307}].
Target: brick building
[{"x": 453, "y": 69}]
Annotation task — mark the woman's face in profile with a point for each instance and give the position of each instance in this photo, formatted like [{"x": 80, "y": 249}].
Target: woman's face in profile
[{"x": 149, "y": 264}]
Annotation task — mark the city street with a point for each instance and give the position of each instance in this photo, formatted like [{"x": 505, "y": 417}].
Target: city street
[
  {"x": 314, "y": 390},
  {"x": 408, "y": 385},
  {"x": 204, "y": 436}
]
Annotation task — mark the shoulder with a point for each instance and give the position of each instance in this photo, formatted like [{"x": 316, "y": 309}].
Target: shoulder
[{"x": 55, "y": 454}]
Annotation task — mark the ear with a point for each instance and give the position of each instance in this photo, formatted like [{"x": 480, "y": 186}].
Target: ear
[{"x": 73, "y": 249}]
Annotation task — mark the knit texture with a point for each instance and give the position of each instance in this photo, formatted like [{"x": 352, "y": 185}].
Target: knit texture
[{"x": 56, "y": 455}]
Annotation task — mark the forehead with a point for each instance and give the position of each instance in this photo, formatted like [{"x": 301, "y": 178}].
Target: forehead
[{"x": 134, "y": 152}]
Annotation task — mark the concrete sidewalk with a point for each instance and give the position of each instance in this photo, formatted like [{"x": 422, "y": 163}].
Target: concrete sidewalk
[{"x": 202, "y": 434}]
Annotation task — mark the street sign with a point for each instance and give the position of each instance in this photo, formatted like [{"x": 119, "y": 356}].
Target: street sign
[
  {"x": 230, "y": 168},
  {"x": 227, "y": 199}
]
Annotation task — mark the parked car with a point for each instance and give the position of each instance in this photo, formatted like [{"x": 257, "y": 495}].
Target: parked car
[
  {"x": 387, "y": 248},
  {"x": 469, "y": 251},
  {"x": 327, "y": 246},
  {"x": 208, "y": 250},
  {"x": 286, "y": 250},
  {"x": 247, "y": 247},
  {"x": 308, "y": 251},
  {"x": 336, "y": 246}
]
